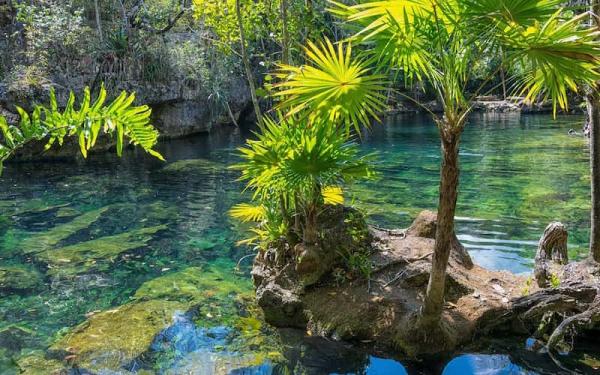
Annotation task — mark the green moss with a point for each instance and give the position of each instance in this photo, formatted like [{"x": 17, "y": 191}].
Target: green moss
[
  {"x": 85, "y": 256},
  {"x": 67, "y": 212},
  {"x": 31, "y": 206},
  {"x": 19, "y": 278},
  {"x": 113, "y": 338},
  {"x": 35, "y": 363},
  {"x": 52, "y": 237},
  {"x": 196, "y": 284},
  {"x": 201, "y": 244}
]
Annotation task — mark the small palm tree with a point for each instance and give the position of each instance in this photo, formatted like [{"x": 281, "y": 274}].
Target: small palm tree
[
  {"x": 120, "y": 119},
  {"x": 438, "y": 43},
  {"x": 294, "y": 169}
]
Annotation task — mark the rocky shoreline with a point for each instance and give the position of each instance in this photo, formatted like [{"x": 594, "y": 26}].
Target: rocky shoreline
[{"x": 384, "y": 308}]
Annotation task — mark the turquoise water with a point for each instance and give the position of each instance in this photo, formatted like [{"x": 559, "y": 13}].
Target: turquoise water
[{"x": 121, "y": 266}]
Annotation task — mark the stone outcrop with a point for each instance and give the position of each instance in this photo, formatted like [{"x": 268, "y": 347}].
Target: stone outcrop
[{"x": 385, "y": 308}]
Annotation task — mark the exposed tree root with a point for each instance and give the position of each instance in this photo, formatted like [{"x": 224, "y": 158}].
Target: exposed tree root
[{"x": 586, "y": 320}]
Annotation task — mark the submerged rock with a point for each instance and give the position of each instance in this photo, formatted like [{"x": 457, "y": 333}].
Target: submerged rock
[
  {"x": 94, "y": 254},
  {"x": 52, "y": 237},
  {"x": 113, "y": 339},
  {"x": 196, "y": 284},
  {"x": 158, "y": 320},
  {"x": 19, "y": 278},
  {"x": 36, "y": 363},
  {"x": 191, "y": 165}
]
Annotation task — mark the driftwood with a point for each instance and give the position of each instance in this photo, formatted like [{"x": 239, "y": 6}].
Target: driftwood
[{"x": 552, "y": 250}]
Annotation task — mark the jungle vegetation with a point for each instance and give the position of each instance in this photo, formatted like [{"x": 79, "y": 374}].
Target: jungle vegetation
[{"x": 548, "y": 50}]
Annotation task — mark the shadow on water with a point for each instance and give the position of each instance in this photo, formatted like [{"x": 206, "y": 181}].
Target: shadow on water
[{"x": 78, "y": 239}]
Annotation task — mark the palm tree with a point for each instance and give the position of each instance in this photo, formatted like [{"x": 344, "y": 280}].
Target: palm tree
[
  {"x": 294, "y": 168},
  {"x": 593, "y": 106},
  {"x": 119, "y": 118},
  {"x": 438, "y": 43}
]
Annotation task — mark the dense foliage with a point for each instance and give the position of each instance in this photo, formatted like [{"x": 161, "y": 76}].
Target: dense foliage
[
  {"x": 438, "y": 45},
  {"x": 294, "y": 168}
]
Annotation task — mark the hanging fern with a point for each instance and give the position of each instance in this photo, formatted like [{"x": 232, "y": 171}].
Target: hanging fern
[{"x": 120, "y": 119}]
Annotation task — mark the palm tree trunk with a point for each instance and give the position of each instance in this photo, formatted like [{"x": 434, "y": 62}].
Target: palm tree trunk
[
  {"x": 593, "y": 106},
  {"x": 246, "y": 62},
  {"x": 434, "y": 300},
  {"x": 311, "y": 232}
]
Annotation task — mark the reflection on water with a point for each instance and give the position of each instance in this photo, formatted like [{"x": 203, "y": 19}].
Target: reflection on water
[
  {"x": 140, "y": 255},
  {"x": 483, "y": 364}
]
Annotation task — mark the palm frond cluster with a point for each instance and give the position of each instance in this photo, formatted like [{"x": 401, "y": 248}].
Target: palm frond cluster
[{"x": 294, "y": 167}]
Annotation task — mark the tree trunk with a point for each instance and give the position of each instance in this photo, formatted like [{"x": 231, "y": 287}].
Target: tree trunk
[
  {"x": 434, "y": 300},
  {"x": 552, "y": 250},
  {"x": 285, "y": 42},
  {"x": 311, "y": 231},
  {"x": 593, "y": 106},
  {"x": 98, "y": 21},
  {"x": 246, "y": 62}
]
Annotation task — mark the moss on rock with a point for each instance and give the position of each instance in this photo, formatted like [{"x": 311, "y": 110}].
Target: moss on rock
[
  {"x": 52, "y": 237},
  {"x": 93, "y": 255},
  {"x": 190, "y": 166},
  {"x": 114, "y": 338},
  {"x": 19, "y": 278},
  {"x": 196, "y": 284},
  {"x": 35, "y": 363}
]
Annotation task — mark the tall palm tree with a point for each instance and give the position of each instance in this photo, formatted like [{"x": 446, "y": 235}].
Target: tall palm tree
[
  {"x": 593, "y": 106},
  {"x": 438, "y": 43}
]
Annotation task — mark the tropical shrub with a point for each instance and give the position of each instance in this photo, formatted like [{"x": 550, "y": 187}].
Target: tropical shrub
[
  {"x": 53, "y": 30},
  {"x": 293, "y": 169}
]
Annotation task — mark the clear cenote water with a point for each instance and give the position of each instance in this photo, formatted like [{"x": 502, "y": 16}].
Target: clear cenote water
[{"x": 99, "y": 260}]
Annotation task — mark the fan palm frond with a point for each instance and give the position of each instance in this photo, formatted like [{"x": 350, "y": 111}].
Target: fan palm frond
[{"x": 334, "y": 87}]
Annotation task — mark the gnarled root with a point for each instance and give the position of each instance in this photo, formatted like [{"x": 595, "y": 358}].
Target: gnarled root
[
  {"x": 551, "y": 253},
  {"x": 586, "y": 320}
]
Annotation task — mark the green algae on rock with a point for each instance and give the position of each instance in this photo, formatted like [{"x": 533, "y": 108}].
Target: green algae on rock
[
  {"x": 52, "y": 237},
  {"x": 114, "y": 338},
  {"x": 36, "y": 363},
  {"x": 95, "y": 254},
  {"x": 19, "y": 278},
  {"x": 195, "y": 284}
]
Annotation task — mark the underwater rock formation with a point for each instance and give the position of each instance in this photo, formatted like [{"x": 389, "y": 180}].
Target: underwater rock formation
[
  {"x": 94, "y": 254},
  {"x": 19, "y": 278},
  {"x": 115, "y": 338},
  {"x": 158, "y": 322},
  {"x": 187, "y": 166}
]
